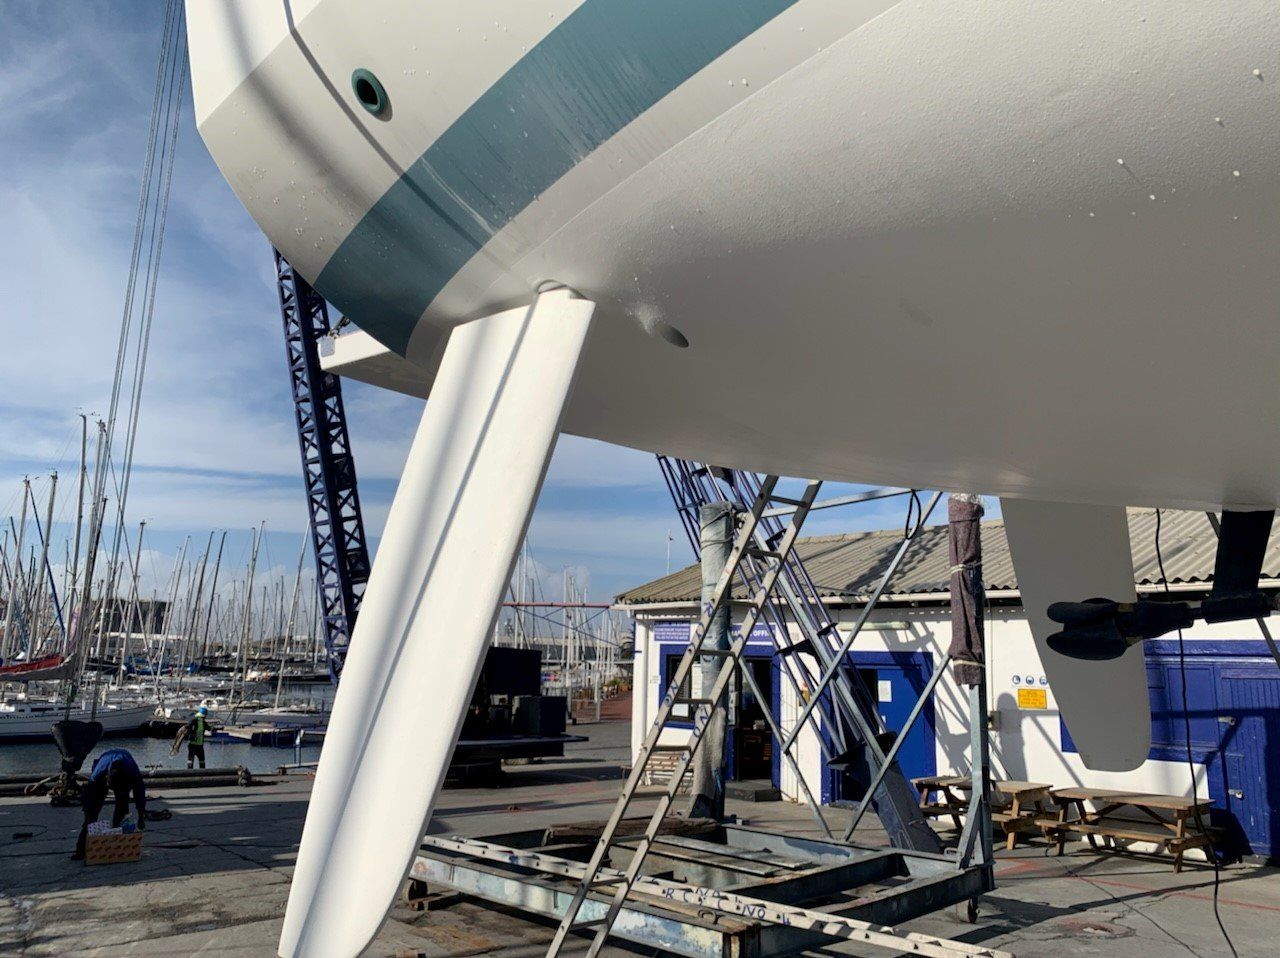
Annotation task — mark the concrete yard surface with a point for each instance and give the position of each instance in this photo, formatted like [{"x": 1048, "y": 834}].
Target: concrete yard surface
[{"x": 214, "y": 879}]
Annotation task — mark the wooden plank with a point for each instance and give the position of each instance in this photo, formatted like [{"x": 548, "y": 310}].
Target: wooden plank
[
  {"x": 934, "y": 782},
  {"x": 1140, "y": 799},
  {"x": 634, "y": 825},
  {"x": 1134, "y": 832},
  {"x": 943, "y": 809}
]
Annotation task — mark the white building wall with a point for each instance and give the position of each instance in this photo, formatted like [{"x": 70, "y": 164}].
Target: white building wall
[
  {"x": 1025, "y": 742},
  {"x": 647, "y": 693}
]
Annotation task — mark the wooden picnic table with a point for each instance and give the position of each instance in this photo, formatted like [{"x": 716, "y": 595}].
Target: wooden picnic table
[
  {"x": 1017, "y": 806},
  {"x": 946, "y": 786},
  {"x": 1175, "y": 835}
]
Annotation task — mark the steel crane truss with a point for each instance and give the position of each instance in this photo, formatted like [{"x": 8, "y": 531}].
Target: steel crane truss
[{"x": 328, "y": 467}]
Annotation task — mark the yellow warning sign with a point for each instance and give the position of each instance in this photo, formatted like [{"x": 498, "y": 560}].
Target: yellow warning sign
[{"x": 1033, "y": 699}]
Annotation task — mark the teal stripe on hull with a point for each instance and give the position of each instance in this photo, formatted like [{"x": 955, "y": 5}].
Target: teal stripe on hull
[{"x": 608, "y": 62}]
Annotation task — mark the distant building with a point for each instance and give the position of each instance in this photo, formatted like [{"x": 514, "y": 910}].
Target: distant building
[
  {"x": 145, "y": 617},
  {"x": 1233, "y": 684}
]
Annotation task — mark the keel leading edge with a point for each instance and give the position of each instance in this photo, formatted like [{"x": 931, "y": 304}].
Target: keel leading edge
[{"x": 463, "y": 504}]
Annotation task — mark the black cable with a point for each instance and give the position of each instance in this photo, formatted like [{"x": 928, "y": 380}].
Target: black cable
[
  {"x": 914, "y": 508},
  {"x": 1191, "y": 767}
]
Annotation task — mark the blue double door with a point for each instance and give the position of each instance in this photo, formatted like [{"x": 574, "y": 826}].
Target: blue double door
[
  {"x": 1233, "y": 708},
  {"x": 1232, "y": 712}
]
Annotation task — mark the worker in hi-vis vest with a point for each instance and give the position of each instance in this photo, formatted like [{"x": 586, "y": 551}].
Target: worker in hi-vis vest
[{"x": 193, "y": 732}]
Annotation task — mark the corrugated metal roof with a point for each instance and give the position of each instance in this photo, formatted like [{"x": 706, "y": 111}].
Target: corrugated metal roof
[{"x": 850, "y": 565}]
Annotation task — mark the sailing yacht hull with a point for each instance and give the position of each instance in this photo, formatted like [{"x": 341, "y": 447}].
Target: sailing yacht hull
[
  {"x": 1027, "y": 251},
  {"x": 30, "y": 722}
]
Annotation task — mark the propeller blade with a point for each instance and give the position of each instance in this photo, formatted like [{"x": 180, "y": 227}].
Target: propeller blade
[
  {"x": 446, "y": 554},
  {"x": 1064, "y": 553}
]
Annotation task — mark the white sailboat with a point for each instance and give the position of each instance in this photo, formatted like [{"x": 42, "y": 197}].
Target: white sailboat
[
  {"x": 30, "y": 719},
  {"x": 790, "y": 237}
]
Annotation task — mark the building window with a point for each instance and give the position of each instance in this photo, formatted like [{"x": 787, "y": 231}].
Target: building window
[{"x": 669, "y": 665}]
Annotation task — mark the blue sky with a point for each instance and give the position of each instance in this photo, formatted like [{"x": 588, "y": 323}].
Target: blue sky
[{"x": 216, "y": 446}]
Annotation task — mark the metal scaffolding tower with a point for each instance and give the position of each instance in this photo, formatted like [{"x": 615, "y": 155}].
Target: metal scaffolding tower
[
  {"x": 328, "y": 467},
  {"x": 763, "y": 555},
  {"x": 847, "y": 712}
]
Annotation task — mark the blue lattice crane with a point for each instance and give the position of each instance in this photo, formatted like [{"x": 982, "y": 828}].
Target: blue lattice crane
[{"x": 328, "y": 466}]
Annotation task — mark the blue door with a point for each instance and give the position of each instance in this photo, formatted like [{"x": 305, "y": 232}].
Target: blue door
[
  {"x": 1233, "y": 706},
  {"x": 1251, "y": 754},
  {"x": 894, "y": 680}
]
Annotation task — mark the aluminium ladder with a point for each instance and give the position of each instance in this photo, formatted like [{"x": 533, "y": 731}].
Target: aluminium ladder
[
  {"x": 772, "y": 555},
  {"x": 848, "y": 715}
]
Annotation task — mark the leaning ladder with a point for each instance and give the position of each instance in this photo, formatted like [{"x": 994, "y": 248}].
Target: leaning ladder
[{"x": 773, "y": 558}]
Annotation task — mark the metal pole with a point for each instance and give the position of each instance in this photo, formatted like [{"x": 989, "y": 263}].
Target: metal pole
[
  {"x": 46, "y": 535},
  {"x": 132, "y": 608},
  {"x": 84, "y": 476},
  {"x": 288, "y": 629},
  {"x": 716, "y": 534},
  {"x": 213, "y": 594},
  {"x": 14, "y": 579},
  {"x": 977, "y": 823},
  {"x": 1262, "y": 623}
]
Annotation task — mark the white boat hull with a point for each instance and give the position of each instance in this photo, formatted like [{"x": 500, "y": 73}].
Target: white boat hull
[
  {"x": 1019, "y": 249},
  {"x": 29, "y": 724},
  {"x": 911, "y": 222}
]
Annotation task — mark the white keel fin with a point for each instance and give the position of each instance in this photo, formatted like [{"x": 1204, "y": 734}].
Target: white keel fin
[
  {"x": 461, "y": 510},
  {"x": 1068, "y": 553}
]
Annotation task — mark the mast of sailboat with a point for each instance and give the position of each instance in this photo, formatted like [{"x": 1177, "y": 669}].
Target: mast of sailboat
[
  {"x": 181, "y": 616},
  {"x": 8, "y": 581},
  {"x": 14, "y": 579},
  {"x": 83, "y": 478},
  {"x": 132, "y": 608},
  {"x": 80, "y": 622},
  {"x": 169, "y": 611},
  {"x": 213, "y": 595},
  {"x": 247, "y": 621},
  {"x": 288, "y": 629},
  {"x": 45, "y": 535},
  {"x": 193, "y": 620}
]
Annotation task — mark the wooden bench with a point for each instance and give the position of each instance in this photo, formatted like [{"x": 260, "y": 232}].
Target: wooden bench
[
  {"x": 951, "y": 801},
  {"x": 1016, "y": 806},
  {"x": 1176, "y": 835}
]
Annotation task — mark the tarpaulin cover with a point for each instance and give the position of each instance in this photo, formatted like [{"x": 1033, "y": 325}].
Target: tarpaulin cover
[{"x": 964, "y": 535}]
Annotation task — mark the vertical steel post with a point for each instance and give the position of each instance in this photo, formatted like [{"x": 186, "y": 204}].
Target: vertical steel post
[{"x": 716, "y": 539}]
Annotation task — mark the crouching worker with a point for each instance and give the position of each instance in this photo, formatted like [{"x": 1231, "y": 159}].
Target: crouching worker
[
  {"x": 193, "y": 734},
  {"x": 117, "y": 772}
]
